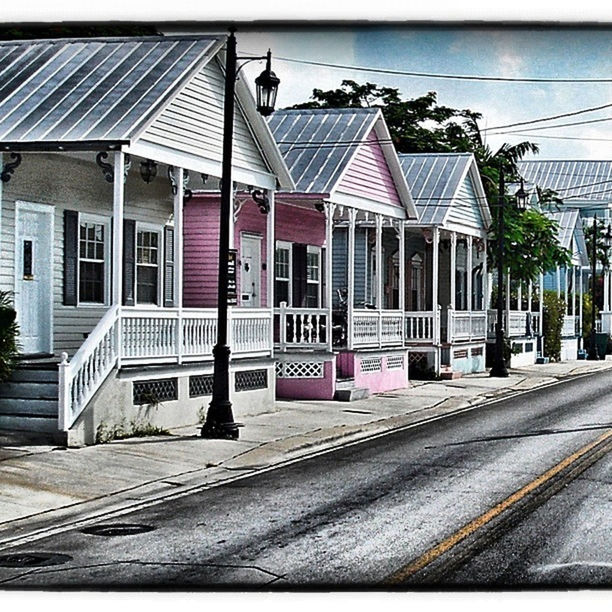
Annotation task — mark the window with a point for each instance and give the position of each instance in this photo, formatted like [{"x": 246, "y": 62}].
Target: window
[
  {"x": 93, "y": 247},
  {"x": 313, "y": 276},
  {"x": 148, "y": 244},
  {"x": 282, "y": 273},
  {"x": 416, "y": 282}
]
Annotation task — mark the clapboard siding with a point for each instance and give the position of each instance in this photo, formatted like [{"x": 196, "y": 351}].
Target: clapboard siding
[
  {"x": 466, "y": 208},
  {"x": 340, "y": 264},
  {"x": 302, "y": 225},
  {"x": 65, "y": 182},
  {"x": 369, "y": 176},
  {"x": 200, "y": 252},
  {"x": 339, "y": 271},
  {"x": 193, "y": 123}
]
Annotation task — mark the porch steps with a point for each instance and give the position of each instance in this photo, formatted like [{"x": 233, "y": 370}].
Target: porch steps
[
  {"x": 347, "y": 392},
  {"x": 28, "y": 401},
  {"x": 447, "y": 373}
]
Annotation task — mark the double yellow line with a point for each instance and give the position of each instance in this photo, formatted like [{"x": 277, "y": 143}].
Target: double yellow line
[{"x": 432, "y": 554}]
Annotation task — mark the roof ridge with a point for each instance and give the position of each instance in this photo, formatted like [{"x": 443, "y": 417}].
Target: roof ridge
[
  {"x": 344, "y": 110},
  {"x": 111, "y": 39}
]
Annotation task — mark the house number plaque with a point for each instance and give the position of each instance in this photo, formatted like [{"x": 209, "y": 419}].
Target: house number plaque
[
  {"x": 27, "y": 260},
  {"x": 232, "y": 296}
]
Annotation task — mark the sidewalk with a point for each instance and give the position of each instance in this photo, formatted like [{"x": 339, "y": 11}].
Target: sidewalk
[{"x": 44, "y": 487}]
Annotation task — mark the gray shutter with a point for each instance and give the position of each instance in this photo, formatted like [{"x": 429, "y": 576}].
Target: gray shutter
[
  {"x": 71, "y": 256},
  {"x": 169, "y": 298},
  {"x": 129, "y": 261}
]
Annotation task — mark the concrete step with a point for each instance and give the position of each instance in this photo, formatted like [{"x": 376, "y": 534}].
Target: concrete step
[
  {"x": 450, "y": 375},
  {"x": 27, "y": 374},
  {"x": 46, "y": 407},
  {"x": 345, "y": 383},
  {"x": 352, "y": 394},
  {"x": 32, "y": 425},
  {"x": 28, "y": 390}
]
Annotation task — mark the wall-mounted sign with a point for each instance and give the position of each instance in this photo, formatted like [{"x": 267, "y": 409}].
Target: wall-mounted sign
[{"x": 232, "y": 296}]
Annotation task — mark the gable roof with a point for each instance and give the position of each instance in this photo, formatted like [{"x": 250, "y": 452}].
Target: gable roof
[
  {"x": 573, "y": 180},
  {"x": 84, "y": 90},
  {"x": 570, "y": 225},
  {"x": 320, "y": 145},
  {"x": 435, "y": 180}
]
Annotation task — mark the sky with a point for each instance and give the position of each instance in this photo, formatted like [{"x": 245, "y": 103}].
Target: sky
[{"x": 549, "y": 52}]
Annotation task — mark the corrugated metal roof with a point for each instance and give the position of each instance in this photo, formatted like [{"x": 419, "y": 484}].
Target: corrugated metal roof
[
  {"x": 80, "y": 90},
  {"x": 570, "y": 224},
  {"x": 573, "y": 180},
  {"x": 433, "y": 179},
  {"x": 317, "y": 144}
]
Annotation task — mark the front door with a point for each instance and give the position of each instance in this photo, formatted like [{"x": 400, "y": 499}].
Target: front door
[
  {"x": 250, "y": 271},
  {"x": 34, "y": 276}
]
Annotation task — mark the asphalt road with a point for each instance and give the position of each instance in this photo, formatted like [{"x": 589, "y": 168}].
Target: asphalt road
[{"x": 385, "y": 513}]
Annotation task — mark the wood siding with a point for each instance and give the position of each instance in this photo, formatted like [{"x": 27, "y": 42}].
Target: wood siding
[
  {"x": 65, "y": 182},
  {"x": 466, "y": 208},
  {"x": 193, "y": 123},
  {"x": 340, "y": 264},
  {"x": 369, "y": 176},
  {"x": 298, "y": 224}
]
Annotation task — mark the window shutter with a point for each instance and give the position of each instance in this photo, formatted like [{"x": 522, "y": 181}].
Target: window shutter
[
  {"x": 71, "y": 256},
  {"x": 129, "y": 261},
  {"x": 299, "y": 275},
  {"x": 169, "y": 300}
]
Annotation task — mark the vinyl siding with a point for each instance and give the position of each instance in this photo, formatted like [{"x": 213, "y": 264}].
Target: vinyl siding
[
  {"x": 369, "y": 176},
  {"x": 193, "y": 123},
  {"x": 466, "y": 209},
  {"x": 64, "y": 182}
]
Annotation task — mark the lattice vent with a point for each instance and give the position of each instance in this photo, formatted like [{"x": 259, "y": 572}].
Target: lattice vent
[
  {"x": 414, "y": 358},
  {"x": 395, "y": 362},
  {"x": 249, "y": 380},
  {"x": 476, "y": 352},
  {"x": 201, "y": 384},
  {"x": 462, "y": 354},
  {"x": 155, "y": 391},
  {"x": 300, "y": 369},
  {"x": 371, "y": 364}
]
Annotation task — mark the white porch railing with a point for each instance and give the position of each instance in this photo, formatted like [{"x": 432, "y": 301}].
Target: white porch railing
[
  {"x": 466, "y": 325},
  {"x": 306, "y": 327},
  {"x": 377, "y": 328},
  {"x": 419, "y": 326},
  {"x": 569, "y": 329},
  {"x": 148, "y": 336},
  {"x": 515, "y": 323}
]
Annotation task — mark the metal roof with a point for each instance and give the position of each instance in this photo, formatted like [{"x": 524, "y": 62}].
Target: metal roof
[
  {"x": 85, "y": 90},
  {"x": 317, "y": 144},
  {"x": 434, "y": 179},
  {"x": 573, "y": 180},
  {"x": 569, "y": 223}
]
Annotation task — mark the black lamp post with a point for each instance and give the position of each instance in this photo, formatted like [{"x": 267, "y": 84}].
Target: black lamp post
[
  {"x": 499, "y": 368},
  {"x": 593, "y": 354},
  {"x": 220, "y": 419}
]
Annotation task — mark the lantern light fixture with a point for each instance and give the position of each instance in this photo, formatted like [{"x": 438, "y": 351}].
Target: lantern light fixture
[
  {"x": 521, "y": 197},
  {"x": 148, "y": 170},
  {"x": 266, "y": 85}
]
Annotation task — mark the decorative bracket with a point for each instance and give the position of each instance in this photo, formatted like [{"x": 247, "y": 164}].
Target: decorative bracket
[
  {"x": 187, "y": 193},
  {"x": 260, "y": 197},
  {"x": 9, "y": 168},
  {"x": 108, "y": 170}
]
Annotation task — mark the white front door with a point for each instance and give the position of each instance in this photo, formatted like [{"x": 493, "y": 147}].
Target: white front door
[
  {"x": 34, "y": 276},
  {"x": 250, "y": 271}
]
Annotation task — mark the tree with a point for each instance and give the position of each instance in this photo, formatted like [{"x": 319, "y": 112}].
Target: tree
[
  {"x": 603, "y": 258},
  {"x": 421, "y": 125}
]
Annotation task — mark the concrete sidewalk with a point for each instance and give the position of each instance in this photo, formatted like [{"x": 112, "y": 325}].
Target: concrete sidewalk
[{"x": 44, "y": 487}]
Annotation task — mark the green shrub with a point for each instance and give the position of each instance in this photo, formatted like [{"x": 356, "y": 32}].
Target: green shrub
[
  {"x": 9, "y": 331},
  {"x": 554, "y": 311}
]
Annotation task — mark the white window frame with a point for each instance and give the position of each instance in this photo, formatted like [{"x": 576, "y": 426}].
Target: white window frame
[
  {"x": 106, "y": 223},
  {"x": 282, "y": 244},
  {"x": 311, "y": 249},
  {"x": 159, "y": 229},
  {"x": 417, "y": 277}
]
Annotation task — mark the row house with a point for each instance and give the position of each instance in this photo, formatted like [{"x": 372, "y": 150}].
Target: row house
[{"x": 103, "y": 141}]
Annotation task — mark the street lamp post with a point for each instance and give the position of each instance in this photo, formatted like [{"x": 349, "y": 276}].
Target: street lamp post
[
  {"x": 219, "y": 418},
  {"x": 593, "y": 354}
]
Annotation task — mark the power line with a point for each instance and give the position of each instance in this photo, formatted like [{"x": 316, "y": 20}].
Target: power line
[
  {"x": 463, "y": 77},
  {"x": 559, "y": 137},
  {"x": 570, "y": 114},
  {"x": 552, "y": 127}
]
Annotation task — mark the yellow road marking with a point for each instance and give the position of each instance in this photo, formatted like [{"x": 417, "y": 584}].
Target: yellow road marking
[{"x": 433, "y": 553}]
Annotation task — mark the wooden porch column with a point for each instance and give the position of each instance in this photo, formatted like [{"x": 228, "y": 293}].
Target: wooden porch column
[
  {"x": 402, "y": 266},
  {"x": 379, "y": 268},
  {"x": 566, "y": 291},
  {"x": 541, "y": 291},
  {"x": 580, "y": 306},
  {"x": 519, "y": 296},
  {"x": 435, "y": 275},
  {"x": 270, "y": 250},
  {"x": 453, "y": 269},
  {"x": 508, "y": 287},
  {"x": 470, "y": 265},
  {"x": 574, "y": 270},
  {"x": 485, "y": 279},
  {"x": 118, "y": 200},
  {"x": 329, "y": 285},
  {"x": 606, "y": 292},
  {"x": 529, "y": 295},
  {"x": 558, "y": 282},
  {"x": 350, "y": 259},
  {"x": 178, "y": 260}
]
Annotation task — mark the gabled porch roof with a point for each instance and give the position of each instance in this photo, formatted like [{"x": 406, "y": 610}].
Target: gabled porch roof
[
  {"x": 436, "y": 181},
  {"x": 320, "y": 147},
  {"x": 570, "y": 225},
  {"x": 104, "y": 93}
]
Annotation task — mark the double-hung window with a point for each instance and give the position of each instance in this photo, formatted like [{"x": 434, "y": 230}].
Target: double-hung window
[
  {"x": 282, "y": 273},
  {"x": 148, "y": 256},
  {"x": 93, "y": 249},
  {"x": 313, "y": 277}
]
